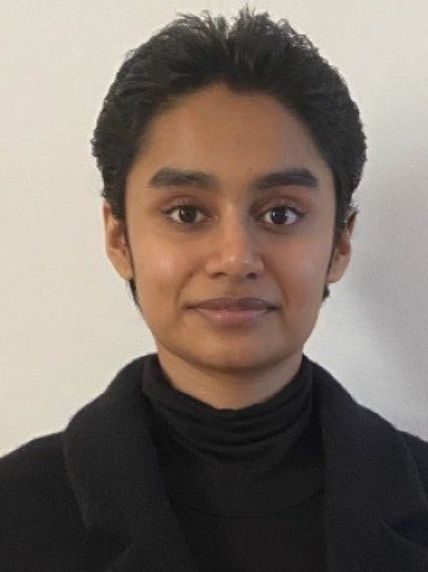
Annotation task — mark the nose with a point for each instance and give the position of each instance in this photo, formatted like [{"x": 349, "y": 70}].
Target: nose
[{"x": 235, "y": 249}]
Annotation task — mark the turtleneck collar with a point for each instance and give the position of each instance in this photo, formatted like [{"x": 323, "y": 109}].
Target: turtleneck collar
[
  {"x": 213, "y": 459},
  {"x": 229, "y": 434}
]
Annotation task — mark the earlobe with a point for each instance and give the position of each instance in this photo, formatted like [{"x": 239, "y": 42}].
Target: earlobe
[{"x": 116, "y": 245}]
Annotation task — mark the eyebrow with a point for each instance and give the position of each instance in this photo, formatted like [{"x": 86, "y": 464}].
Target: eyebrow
[{"x": 172, "y": 177}]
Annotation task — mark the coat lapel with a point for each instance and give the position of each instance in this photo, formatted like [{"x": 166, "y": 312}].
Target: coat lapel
[
  {"x": 372, "y": 486},
  {"x": 113, "y": 469}
]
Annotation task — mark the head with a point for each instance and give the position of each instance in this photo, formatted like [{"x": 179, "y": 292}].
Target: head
[{"x": 233, "y": 101}]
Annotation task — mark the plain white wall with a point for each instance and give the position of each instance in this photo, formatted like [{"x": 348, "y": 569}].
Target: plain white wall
[{"x": 67, "y": 323}]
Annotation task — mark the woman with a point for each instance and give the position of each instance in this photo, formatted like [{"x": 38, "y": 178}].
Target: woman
[{"x": 228, "y": 448}]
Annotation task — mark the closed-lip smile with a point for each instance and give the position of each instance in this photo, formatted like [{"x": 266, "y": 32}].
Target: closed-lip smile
[{"x": 229, "y": 303}]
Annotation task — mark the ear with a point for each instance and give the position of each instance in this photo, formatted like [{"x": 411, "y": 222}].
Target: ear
[
  {"x": 116, "y": 245},
  {"x": 342, "y": 252}
]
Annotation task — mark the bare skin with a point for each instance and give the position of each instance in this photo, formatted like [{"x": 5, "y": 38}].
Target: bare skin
[{"x": 233, "y": 246}]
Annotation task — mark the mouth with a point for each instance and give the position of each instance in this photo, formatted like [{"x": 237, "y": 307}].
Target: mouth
[
  {"x": 235, "y": 304},
  {"x": 234, "y": 317}
]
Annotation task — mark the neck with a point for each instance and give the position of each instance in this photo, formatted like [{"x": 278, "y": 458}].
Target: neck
[{"x": 225, "y": 387}]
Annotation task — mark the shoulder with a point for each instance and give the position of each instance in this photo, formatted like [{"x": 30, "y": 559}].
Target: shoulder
[
  {"x": 419, "y": 450},
  {"x": 33, "y": 478},
  {"x": 33, "y": 467},
  {"x": 29, "y": 452},
  {"x": 397, "y": 441},
  {"x": 39, "y": 516},
  {"x": 377, "y": 437}
]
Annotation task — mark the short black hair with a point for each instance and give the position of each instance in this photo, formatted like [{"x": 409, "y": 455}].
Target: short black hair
[{"x": 254, "y": 54}]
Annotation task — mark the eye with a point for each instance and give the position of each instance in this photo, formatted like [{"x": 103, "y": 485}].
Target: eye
[
  {"x": 279, "y": 212},
  {"x": 187, "y": 214},
  {"x": 183, "y": 208}
]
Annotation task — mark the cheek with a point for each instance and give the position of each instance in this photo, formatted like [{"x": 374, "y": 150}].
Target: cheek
[
  {"x": 303, "y": 276},
  {"x": 160, "y": 270}
]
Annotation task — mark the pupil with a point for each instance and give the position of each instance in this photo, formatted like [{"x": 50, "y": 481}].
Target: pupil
[
  {"x": 187, "y": 209},
  {"x": 278, "y": 218}
]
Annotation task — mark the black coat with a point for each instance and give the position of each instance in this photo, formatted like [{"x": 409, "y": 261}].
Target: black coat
[{"x": 92, "y": 498}]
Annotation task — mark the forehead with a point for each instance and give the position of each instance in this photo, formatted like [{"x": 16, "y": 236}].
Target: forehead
[{"x": 236, "y": 135}]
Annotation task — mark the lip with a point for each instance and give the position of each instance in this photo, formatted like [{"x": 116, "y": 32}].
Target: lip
[
  {"x": 228, "y": 317},
  {"x": 234, "y": 304},
  {"x": 233, "y": 311}
]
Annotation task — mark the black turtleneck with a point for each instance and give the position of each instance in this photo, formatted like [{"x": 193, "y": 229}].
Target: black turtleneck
[{"x": 247, "y": 484}]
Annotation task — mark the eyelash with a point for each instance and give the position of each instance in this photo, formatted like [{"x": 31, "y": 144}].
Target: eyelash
[{"x": 184, "y": 204}]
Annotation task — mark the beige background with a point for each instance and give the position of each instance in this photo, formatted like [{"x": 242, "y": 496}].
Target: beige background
[{"x": 66, "y": 322}]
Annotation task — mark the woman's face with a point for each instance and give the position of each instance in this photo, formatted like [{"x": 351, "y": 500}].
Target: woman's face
[{"x": 222, "y": 235}]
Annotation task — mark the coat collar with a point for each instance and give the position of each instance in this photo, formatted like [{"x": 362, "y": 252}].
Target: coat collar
[{"x": 373, "y": 490}]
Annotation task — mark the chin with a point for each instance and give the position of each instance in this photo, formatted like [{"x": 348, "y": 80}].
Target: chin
[{"x": 238, "y": 356}]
